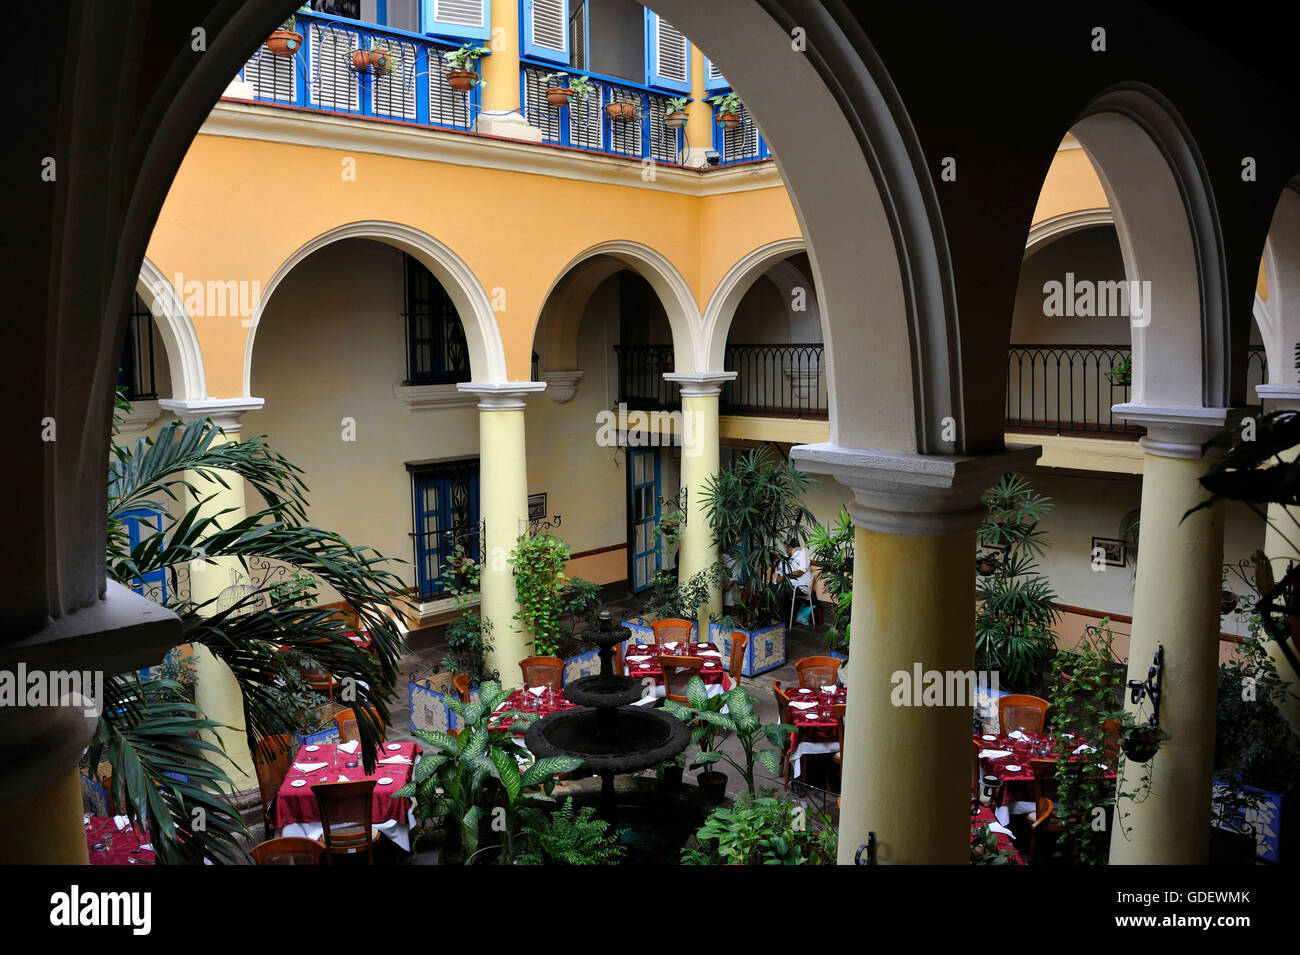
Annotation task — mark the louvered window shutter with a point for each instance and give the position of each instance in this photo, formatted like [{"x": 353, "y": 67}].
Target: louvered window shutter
[
  {"x": 667, "y": 55},
  {"x": 714, "y": 81},
  {"x": 546, "y": 30},
  {"x": 458, "y": 19}
]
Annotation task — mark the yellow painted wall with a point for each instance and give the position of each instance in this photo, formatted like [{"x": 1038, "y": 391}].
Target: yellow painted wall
[{"x": 1071, "y": 184}]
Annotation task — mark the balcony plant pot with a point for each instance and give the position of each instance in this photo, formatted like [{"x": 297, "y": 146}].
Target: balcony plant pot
[
  {"x": 370, "y": 61},
  {"x": 1141, "y": 743},
  {"x": 620, "y": 111},
  {"x": 675, "y": 120},
  {"x": 284, "y": 42},
  {"x": 558, "y": 96},
  {"x": 713, "y": 787},
  {"x": 462, "y": 81},
  {"x": 1227, "y": 602},
  {"x": 729, "y": 120}
]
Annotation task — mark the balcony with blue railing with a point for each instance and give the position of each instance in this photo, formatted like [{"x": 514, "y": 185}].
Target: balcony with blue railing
[
  {"x": 737, "y": 140},
  {"x": 410, "y": 86},
  {"x": 616, "y": 117}
]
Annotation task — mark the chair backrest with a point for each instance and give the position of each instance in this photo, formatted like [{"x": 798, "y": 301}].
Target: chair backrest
[
  {"x": 818, "y": 671},
  {"x": 288, "y": 850},
  {"x": 460, "y": 683},
  {"x": 346, "y": 813},
  {"x": 271, "y": 758},
  {"x": 346, "y": 723},
  {"x": 1044, "y": 778},
  {"x": 1110, "y": 741},
  {"x": 677, "y": 673},
  {"x": 739, "y": 641},
  {"x": 1018, "y": 711},
  {"x": 782, "y": 701},
  {"x": 839, "y": 709},
  {"x": 671, "y": 630},
  {"x": 543, "y": 671}
]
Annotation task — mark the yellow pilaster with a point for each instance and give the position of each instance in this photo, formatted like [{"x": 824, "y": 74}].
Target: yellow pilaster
[
  {"x": 1176, "y": 605},
  {"x": 699, "y": 115},
  {"x": 45, "y": 827},
  {"x": 500, "y": 113}
]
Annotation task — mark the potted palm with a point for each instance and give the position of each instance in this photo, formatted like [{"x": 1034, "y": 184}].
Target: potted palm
[
  {"x": 754, "y": 510},
  {"x": 726, "y": 107},
  {"x": 463, "y": 77},
  {"x": 676, "y": 116}
]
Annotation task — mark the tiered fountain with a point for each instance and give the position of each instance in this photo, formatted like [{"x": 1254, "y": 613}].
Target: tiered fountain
[{"x": 606, "y": 732}]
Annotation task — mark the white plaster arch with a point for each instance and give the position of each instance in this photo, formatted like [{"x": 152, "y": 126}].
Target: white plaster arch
[
  {"x": 740, "y": 278},
  {"x": 482, "y": 335},
  {"x": 1279, "y": 317},
  {"x": 664, "y": 277},
  {"x": 1056, "y": 227},
  {"x": 176, "y": 329}
]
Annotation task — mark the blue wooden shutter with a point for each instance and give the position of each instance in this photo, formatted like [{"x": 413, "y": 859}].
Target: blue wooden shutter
[
  {"x": 546, "y": 30},
  {"x": 714, "y": 81},
  {"x": 459, "y": 19},
  {"x": 667, "y": 55}
]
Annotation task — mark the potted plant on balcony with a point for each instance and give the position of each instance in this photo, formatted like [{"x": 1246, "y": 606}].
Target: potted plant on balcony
[
  {"x": 564, "y": 90},
  {"x": 727, "y": 107},
  {"x": 676, "y": 116},
  {"x": 622, "y": 110},
  {"x": 1122, "y": 374},
  {"x": 376, "y": 58},
  {"x": 754, "y": 509},
  {"x": 286, "y": 41},
  {"x": 463, "y": 77}
]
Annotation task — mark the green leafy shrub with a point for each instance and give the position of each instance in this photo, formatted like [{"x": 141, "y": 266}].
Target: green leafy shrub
[
  {"x": 537, "y": 563},
  {"x": 566, "y": 837},
  {"x": 831, "y": 549},
  {"x": 710, "y": 727},
  {"x": 762, "y": 829}
]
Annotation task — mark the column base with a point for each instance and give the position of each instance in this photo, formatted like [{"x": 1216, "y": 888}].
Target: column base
[{"x": 508, "y": 126}]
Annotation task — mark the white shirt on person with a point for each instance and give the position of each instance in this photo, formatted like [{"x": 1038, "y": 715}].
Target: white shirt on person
[{"x": 796, "y": 568}]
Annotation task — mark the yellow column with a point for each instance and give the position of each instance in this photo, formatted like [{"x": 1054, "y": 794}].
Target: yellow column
[
  {"x": 503, "y": 506},
  {"x": 910, "y": 676},
  {"x": 1176, "y": 605},
  {"x": 499, "y": 113},
  {"x": 699, "y": 435},
  {"x": 45, "y": 827},
  {"x": 699, "y": 121}
]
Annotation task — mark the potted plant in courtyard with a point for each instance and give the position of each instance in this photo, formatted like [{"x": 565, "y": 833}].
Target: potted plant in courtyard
[
  {"x": 676, "y": 115},
  {"x": 463, "y": 75},
  {"x": 754, "y": 509},
  {"x": 286, "y": 41},
  {"x": 726, "y": 109},
  {"x": 622, "y": 110},
  {"x": 763, "y": 829},
  {"x": 552, "y": 605},
  {"x": 1121, "y": 374}
]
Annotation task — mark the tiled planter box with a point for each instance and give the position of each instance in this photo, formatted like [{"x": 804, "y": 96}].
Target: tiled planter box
[
  {"x": 1265, "y": 818},
  {"x": 584, "y": 664},
  {"x": 428, "y": 704},
  {"x": 328, "y": 735},
  {"x": 765, "y": 650}
]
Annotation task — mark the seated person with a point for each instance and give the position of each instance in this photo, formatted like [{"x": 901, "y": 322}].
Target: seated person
[{"x": 795, "y": 570}]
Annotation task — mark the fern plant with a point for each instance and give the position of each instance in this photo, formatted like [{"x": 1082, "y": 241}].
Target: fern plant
[{"x": 567, "y": 837}]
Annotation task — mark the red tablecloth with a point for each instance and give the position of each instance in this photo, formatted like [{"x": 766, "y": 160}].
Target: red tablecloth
[
  {"x": 543, "y": 704},
  {"x": 363, "y": 639},
  {"x": 713, "y": 672},
  {"x": 125, "y": 849},
  {"x": 1018, "y": 782},
  {"x": 816, "y": 725},
  {"x": 985, "y": 817},
  {"x": 298, "y": 803}
]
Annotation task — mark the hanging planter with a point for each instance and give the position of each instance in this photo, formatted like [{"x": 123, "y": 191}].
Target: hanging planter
[
  {"x": 985, "y": 566},
  {"x": 1228, "y": 600},
  {"x": 558, "y": 96},
  {"x": 676, "y": 112},
  {"x": 462, "y": 77},
  {"x": 370, "y": 61},
  {"x": 462, "y": 81},
  {"x": 1141, "y": 743},
  {"x": 675, "y": 120},
  {"x": 726, "y": 108},
  {"x": 284, "y": 42},
  {"x": 620, "y": 111}
]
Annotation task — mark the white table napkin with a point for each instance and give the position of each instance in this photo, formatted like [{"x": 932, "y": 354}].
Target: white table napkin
[
  {"x": 802, "y": 706},
  {"x": 988, "y": 753},
  {"x": 711, "y": 653},
  {"x": 342, "y": 779},
  {"x": 349, "y": 748},
  {"x": 638, "y": 659},
  {"x": 147, "y": 847},
  {"x": 1085, "y": 748},
  {"x": 396, "y": 759},
  {"x": 537, "y": 690},
  {"x": 1016, "y": 734},
  {"x": 122, "y": 822},
  {"x": 998, "y": 827},
  {"x": 308, "y": 767}
]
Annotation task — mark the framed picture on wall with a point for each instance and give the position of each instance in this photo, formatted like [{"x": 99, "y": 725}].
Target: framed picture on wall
[
  {"x": 1111, "y": 551},
  {"x": 537, "y": 506}
]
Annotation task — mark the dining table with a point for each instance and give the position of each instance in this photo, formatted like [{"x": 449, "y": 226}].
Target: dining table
[
  {"x": 816, "y": 730},
  {"x": 295, "y": 812},
  {"x": 641, "y": 660},
  {"x": 542, "y": 700},
  {"x": 1008, "y": 757},
  {"x": 984, "y": 816},
  {"x": 112, "y": 840}
]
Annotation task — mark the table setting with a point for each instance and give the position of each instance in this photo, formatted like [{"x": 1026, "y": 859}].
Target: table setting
[
  {"x": 111, "y": 840},
  {"x": 1009, "y": 759},
  {"x": 641, "y": 660},
  {"x": 816, "y": 730},
  {"x": 542, "y": 700}
]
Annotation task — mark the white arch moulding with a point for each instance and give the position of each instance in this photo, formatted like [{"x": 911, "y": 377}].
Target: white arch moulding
[
  {"x": 1060, "y": 226},
  {"x": 740, "y": 278},
  {"x": 482, "y": 335},
  {"x": 176, "y": 329}
]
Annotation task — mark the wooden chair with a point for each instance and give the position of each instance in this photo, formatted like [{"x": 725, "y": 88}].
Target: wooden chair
[
  {"x": 319, "y": 680},
  {"x": 543, "y": 671},
  {"x": 271, "y": 758},
  {"x": 1017, "y": 711},
  {"x": 460, "y": 683},
  {"x": 837, "y": 758},
  {"x": 1043, "y": 823},
  {"x": 783, "y": 711},
  {"x": 815, "y": 672},
  {"x": 672, "y": 630},
  {"x": 346, "y": 723},
  {"x": 738, "y": 643},
  {"x": 346, "y": 813},
  {"x": 1110, "y": 742},
  {"x": 677, "y": 673},
  {"x": 289, "y": 850}
]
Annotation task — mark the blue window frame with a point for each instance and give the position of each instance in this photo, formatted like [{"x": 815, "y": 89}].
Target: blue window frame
[
  {"x": 644, "y": 556},
  {"x": 714, "y": 81},
  {"x": 459, "y": 19},
  {"x": 545, "y": 28},
  {"x": 445, "y": 506},
  {"x": 667, "y": 55},
  {"x": 141, "y": 523},
  {"x": 436, "y": 350}
]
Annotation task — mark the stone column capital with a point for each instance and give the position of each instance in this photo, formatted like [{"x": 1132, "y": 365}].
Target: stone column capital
[
  {"x": 225, "y": 413},
  {"x": 1179, "y": 431},
  {"x": 1281, "y": 397},
  {"x": 561, "y": 386},
  {"x": 700, "y": 384},
  {"x": 501, "y": 395},
  {"x": 901, "y": 492}
]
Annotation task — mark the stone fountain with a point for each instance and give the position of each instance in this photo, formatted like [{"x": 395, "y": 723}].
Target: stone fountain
[{"x": 605, "y": 731}]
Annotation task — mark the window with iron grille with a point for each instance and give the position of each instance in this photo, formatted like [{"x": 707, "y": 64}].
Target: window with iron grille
[
  {"x": 436, "y": 352},
  {"x": 663, "y": 141},
  {"x": 135, "y": 374},
  {"x": 273, "y": 77},
  {"x": 393, "y": 92},
  {"x": 445, "y": 509},
  {"x": 331, "y": 81},
  {"x": 578, "y": 34},
  {"x": 586, "y": 117}
]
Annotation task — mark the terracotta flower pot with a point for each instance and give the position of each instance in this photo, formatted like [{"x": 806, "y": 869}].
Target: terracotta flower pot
[
  {"x": 284, "y": 42},
  {"x": 462, "y": 81},
  {"x": 729, "y": 120},
  {"x": 620, "y": 112},
  {"x": 370, "y": 61},
  {"x": 985, "y": 566},
  {"x": 675, "y": 120},
  {"x": 558, "y": 96},
  {"x": 713, "y": 786}
]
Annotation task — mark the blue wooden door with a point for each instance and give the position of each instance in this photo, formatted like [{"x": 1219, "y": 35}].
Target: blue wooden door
[
  {"x": 446, "y": 505},
  {"x": 643, "y": 516}
]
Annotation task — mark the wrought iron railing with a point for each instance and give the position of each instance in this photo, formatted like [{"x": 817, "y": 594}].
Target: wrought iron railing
[
  {"x": 641, "y": 384},
  {"x": 321, "y": 75},
  {"x": 585, "y": 124},
  {"x": 435, "y": 553},
  {"x": 1070, "y": 388},
  {"x": 740, "y": 143},
  {"x": 781, "y": 380},
  {"x": 136, "y": 375}
]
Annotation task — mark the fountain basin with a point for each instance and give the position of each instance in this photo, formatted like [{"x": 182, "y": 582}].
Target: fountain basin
[
  {"x": 602, "y": 691},
  {"x": 642, "y": 738}
]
